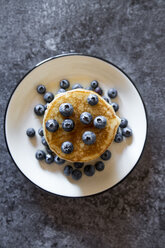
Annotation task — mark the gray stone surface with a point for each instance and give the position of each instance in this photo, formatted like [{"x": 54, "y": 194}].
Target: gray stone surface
[{"x": 131, "y": 35}]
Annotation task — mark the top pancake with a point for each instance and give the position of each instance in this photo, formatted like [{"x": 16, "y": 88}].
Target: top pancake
[{"x": 81, "y": 152}]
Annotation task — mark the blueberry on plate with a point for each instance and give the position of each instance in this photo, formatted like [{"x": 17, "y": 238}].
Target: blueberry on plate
[
  {"x": 68, "y": 125},
  {"x": 67, "y": 147},
  {"x": 49, "y": 158},
  {"x": 40, "y": 155},
  {"x": 89, "y": 88},
  {"x": 123, "y": 122},
  {"x": 106, "y": 155},
  {"x": 58, "y": 160},
  {"x": 30, "y": 132},
  {"x": 99, "y": 166},
  {"x": 118, "y": 138},
  {"x": 43, "y": 140},
  {"x": 119, "y": 130},
  {"x": 127, "y": 132},
  {"x": 66, "y": 109},
  {"x": 115, "y": 106},
  {"x": 77, "y": 86},
  {"x": 52, "y": 125},
  {"x": 78, "y": 165},
  {"x": 112, "y": 93},
  {"x": 61, "y": 91},
  {"x": 92, "y": 99},
  {"x": 64, "y": 84},
  {"x": 106, "y": 99},
  {"x": 46, "y": 106},
  {"x": 76, "y": 174},
  {"x": 48, "y": 97},
  {"x": 86, "y": 118},
  {"x": 100, "y": 122},
  {"x": 39, "y": 109},
  {"x": 89, "y": 137},
  {"x": 89, "y": 170},
  {"x": 94, "y": 84},
  {"x": 68, "y": 170},
  {"x": 41, "y": 89},
  {"x": 99, "y": 91},
  {"x": 49, "y": 150},
  {"x": 41, "y": 131}
]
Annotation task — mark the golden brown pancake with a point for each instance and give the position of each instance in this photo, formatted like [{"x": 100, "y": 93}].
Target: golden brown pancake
[{"x": 81, "y": 152}]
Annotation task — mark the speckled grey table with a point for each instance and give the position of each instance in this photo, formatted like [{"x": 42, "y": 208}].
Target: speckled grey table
[{"x": 131, "y": 35}]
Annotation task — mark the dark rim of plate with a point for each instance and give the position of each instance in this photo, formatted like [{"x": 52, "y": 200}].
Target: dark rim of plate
[{"x": 56, "y": 57}]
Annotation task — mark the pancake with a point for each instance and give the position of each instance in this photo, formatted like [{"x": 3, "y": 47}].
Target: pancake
[{"x": 81, "y": 152}]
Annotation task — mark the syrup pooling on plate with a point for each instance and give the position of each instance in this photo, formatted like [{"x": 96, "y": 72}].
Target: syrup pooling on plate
[{"x": 77, "y": 168}]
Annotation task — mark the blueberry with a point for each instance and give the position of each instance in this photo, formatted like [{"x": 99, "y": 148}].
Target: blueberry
[
  {"x": 92, "y": 99},
  {"x": 99, "y": 91},
  {"x": 49, "y": 158},
  {"x": 66, "y": 109},
  {"x": 99, "y": 166},
  {"x": 52, "y": 125},
  {"x": 100, "y": 122},
  {"x": 61, "y": 91},
  {"x": 64, "y": 84},
  {"x": 89, "y": 88},
  {"x": 39, "y": 109},
  {"x": 68, "y": 125},
  {"x": 30, "y": 132},
  {"x": 89, "y": 137},
  {"x": 49, "y": 150},
  {"x": 41, "y": 89},
  {"x": 112, "y": 93},
  {"x": 48, "y": 97},
  {"x": 115, "y": 106},
  {"x": 40, "y": 155},
  {"x": 119, "y": 130},
  {"x": 106, "y": 99},
  {"x": 118, "y": 138},
  {"x": 89, "y": 170},
  {"x": 68, "y": 170},
  {"x": 76, "y": 174},
  {"x": 106, "y": 155},
  {"x": 58, "y": 160},
  {"x": 41, "y": 131},
  {"x": 123, "y": 122},
  {"x": 46, "y": 106},
  {"x": 86, "y": 118},
  {"x": 127, "y": 132},
  {"x": 43, "y": 140},
  {"x": 94, "y": 84},
  {"x": 78, "y": 165},
  {"x": 67, "y": 147},
  {"x": 77, "y": 86}
]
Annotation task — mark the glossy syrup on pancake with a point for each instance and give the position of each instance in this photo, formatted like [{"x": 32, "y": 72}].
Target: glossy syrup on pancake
[{"x": 104, "y": 137}]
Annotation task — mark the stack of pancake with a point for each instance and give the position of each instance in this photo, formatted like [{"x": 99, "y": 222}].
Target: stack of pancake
[{"x": 104, "y": 137}]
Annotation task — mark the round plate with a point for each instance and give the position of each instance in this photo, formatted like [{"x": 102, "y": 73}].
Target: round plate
[{"x": 20, "y": 116}]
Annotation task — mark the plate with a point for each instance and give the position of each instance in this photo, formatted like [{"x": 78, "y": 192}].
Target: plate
[{"x": 20, "y": 116}]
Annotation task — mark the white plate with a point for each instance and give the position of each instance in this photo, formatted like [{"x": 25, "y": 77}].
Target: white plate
[{"x": 20, "y": 116}]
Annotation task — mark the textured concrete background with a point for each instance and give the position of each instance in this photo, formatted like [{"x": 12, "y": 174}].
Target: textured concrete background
[{"x": 131, "y": 35}]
